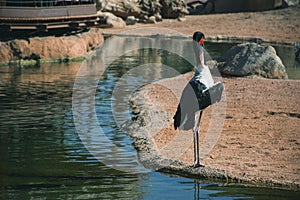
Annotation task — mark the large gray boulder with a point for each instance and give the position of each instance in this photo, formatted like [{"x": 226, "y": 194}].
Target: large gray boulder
[{"x": 252, "y": 59}]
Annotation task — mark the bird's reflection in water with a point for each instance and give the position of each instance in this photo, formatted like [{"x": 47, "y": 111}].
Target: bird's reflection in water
[{"x": 196, "y": 190}]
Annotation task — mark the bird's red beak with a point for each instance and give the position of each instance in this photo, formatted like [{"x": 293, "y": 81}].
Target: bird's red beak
[{"x": 201, "y": 42}]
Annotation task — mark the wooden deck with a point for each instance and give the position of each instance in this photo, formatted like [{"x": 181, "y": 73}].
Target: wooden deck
[{"x": 45, "y": 18}]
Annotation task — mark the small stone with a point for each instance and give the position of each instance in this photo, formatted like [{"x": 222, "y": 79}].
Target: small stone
[
  {"x": 181, "y": 19},
  {"x": 151, "y": 20},
  {"x": 131, "y": 20}
]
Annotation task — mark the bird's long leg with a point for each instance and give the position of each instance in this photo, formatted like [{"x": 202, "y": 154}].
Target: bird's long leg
[
  {"x": 195, "y": 134},
  {"x": 196, "y": 141},
  {"x": 195, "y": 146}
]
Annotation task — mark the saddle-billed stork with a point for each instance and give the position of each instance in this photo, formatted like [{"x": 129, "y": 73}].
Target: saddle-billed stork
[{"x": 198, "y": 94}]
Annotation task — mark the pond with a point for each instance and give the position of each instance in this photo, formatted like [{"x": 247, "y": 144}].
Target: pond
[{"x": 44, "y": 157}]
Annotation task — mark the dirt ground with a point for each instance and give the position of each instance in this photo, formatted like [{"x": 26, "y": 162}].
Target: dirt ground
[
  {"x": 280, "y": 25},
  {"x": 260, "y": 136},
  {"x": 259, "y": 140}
]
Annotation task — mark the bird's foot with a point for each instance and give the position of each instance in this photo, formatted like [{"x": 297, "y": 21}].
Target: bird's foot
[{"x": 196, "y": 165}]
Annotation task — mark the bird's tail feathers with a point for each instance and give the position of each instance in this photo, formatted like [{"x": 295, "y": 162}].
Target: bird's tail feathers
[
  {"x": 177, "y": 117},
  {"x": 216, "y": 92}
]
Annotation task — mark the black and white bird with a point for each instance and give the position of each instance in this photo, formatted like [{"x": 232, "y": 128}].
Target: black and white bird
[{"x": 198, "y": 94}]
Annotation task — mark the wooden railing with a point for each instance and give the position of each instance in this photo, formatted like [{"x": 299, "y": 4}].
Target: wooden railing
[{"x": 43, "y": 3}]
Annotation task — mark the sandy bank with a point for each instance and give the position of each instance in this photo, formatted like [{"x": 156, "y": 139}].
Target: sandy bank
[{"x": 258, "y": 143}]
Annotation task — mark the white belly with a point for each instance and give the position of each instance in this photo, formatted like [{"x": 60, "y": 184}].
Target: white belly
[{"x": 205, "y": 77}]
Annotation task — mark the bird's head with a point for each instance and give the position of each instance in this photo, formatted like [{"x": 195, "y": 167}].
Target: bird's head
[{"x": 199, "y": 38}]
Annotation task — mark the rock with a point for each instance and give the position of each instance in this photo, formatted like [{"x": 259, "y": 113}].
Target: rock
[
  {"x": 181, "y": 19},
  {"x": 6, "y": 53},
  {"x": 122, "y": 8},
  {"x": 131, "y": 20},
  {"x": 114, "y": 21},
  {"x": 50, "y": 47},
  {"x": 173, "y": 8},
  {"x": 143, "y": 9},
  {"x": 158, "y": 17},
  {"x": 152, "y": 20},
  {"x": 197, "y": 7},
  {"x": 151, "y": 7},
  {"x": 252, "y": 59},
  {"x": 291, "y": 2}
]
